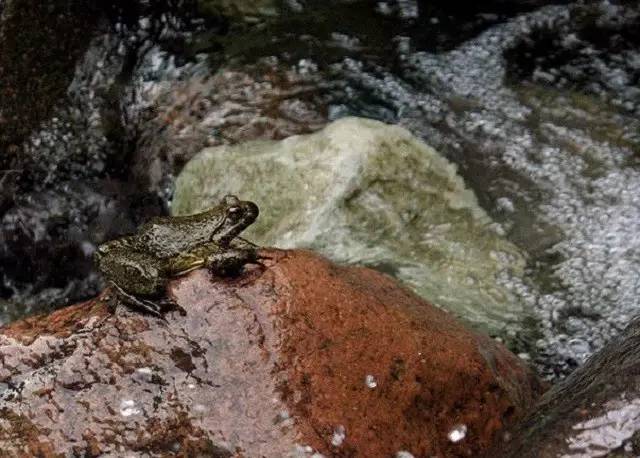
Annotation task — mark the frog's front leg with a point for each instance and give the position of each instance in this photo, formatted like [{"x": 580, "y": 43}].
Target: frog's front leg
[
  {"x": 222, "y": 260},
  {"x": 230, "y": 260},
  {"x": 186, "y": 262}
]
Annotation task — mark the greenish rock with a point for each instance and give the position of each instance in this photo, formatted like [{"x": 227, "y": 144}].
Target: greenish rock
[{"x": 364, "y": 192}]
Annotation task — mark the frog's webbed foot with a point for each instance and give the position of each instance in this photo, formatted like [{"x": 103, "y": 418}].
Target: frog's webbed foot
[{"x": 144, "y": 305}]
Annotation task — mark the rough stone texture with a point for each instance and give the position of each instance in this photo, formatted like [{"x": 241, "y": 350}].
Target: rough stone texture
[
  {"x": 273, "y": 363},
  {"x": 593, "y": 412}
]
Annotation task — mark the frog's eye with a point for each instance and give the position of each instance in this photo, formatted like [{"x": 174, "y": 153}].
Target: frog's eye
[{"x": 230, "y": 200}]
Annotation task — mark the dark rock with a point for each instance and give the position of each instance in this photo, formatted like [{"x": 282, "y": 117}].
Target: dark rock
[
  {"x": 40, "y": 42},
  {"x": 292, "y": 357},
  {"x": 593, "y": 412}
]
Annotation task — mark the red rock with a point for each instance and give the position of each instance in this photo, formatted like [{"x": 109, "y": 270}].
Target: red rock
[{"x": 259, "y": 365}]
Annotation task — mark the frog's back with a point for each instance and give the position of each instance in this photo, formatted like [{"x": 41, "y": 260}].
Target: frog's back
[{"x": 166, "y": 237}]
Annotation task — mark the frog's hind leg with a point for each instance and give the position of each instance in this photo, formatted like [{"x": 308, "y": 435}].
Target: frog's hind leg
[{"x": 145, "y": 305}]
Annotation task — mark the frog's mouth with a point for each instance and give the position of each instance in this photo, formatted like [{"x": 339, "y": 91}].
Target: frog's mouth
[
  {"x": 237, "y": 219},
  {"x": 251, "y": 212}
]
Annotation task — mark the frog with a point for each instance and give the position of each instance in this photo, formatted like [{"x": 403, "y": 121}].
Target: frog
[{"x": 140, "y": 265}]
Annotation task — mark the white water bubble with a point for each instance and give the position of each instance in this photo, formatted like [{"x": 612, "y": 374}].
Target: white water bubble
[
  {"x": 404, "y": 454},
  {"x": 128, "y": 408},
  {"x": 458, "y": 433},
  {"x": 370, "y": 381},
  {"x": 339, "y": 435}
]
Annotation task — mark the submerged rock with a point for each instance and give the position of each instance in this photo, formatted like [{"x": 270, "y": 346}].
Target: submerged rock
[
  {"x": 361, "y": 191},
  {"x": 593, "y": 412},
  {"x": 292, "y": 358}
]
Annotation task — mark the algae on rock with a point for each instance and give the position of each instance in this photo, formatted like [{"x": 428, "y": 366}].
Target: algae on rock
[{"x": 364, "y": 192}]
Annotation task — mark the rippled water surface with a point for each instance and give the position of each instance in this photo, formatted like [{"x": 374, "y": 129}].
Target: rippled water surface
[{"x": 539, "y": 109}]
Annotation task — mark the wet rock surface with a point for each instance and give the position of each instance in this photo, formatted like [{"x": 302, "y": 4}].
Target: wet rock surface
[
  {"x": 593, "y": 412},
  {"x": 295, "y": 357}
]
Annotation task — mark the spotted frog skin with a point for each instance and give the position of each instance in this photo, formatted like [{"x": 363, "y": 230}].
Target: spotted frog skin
[{"x": 140, "y": 265}]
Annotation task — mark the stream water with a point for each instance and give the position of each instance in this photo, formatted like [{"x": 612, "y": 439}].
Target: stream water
[{"x": 539, "y": 109}]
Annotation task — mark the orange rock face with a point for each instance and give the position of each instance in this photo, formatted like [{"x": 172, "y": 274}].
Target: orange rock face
[{"x": 295, "y": 357}]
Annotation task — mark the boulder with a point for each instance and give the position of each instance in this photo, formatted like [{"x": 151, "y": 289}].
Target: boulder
[
  {"x": 294, "y": 357},
  {"x": 593, "y": 412},
  {"x": 361, "y": 191}
]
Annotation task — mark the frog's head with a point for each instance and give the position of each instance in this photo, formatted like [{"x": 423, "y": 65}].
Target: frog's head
[{"x": 237, "y": 215}]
